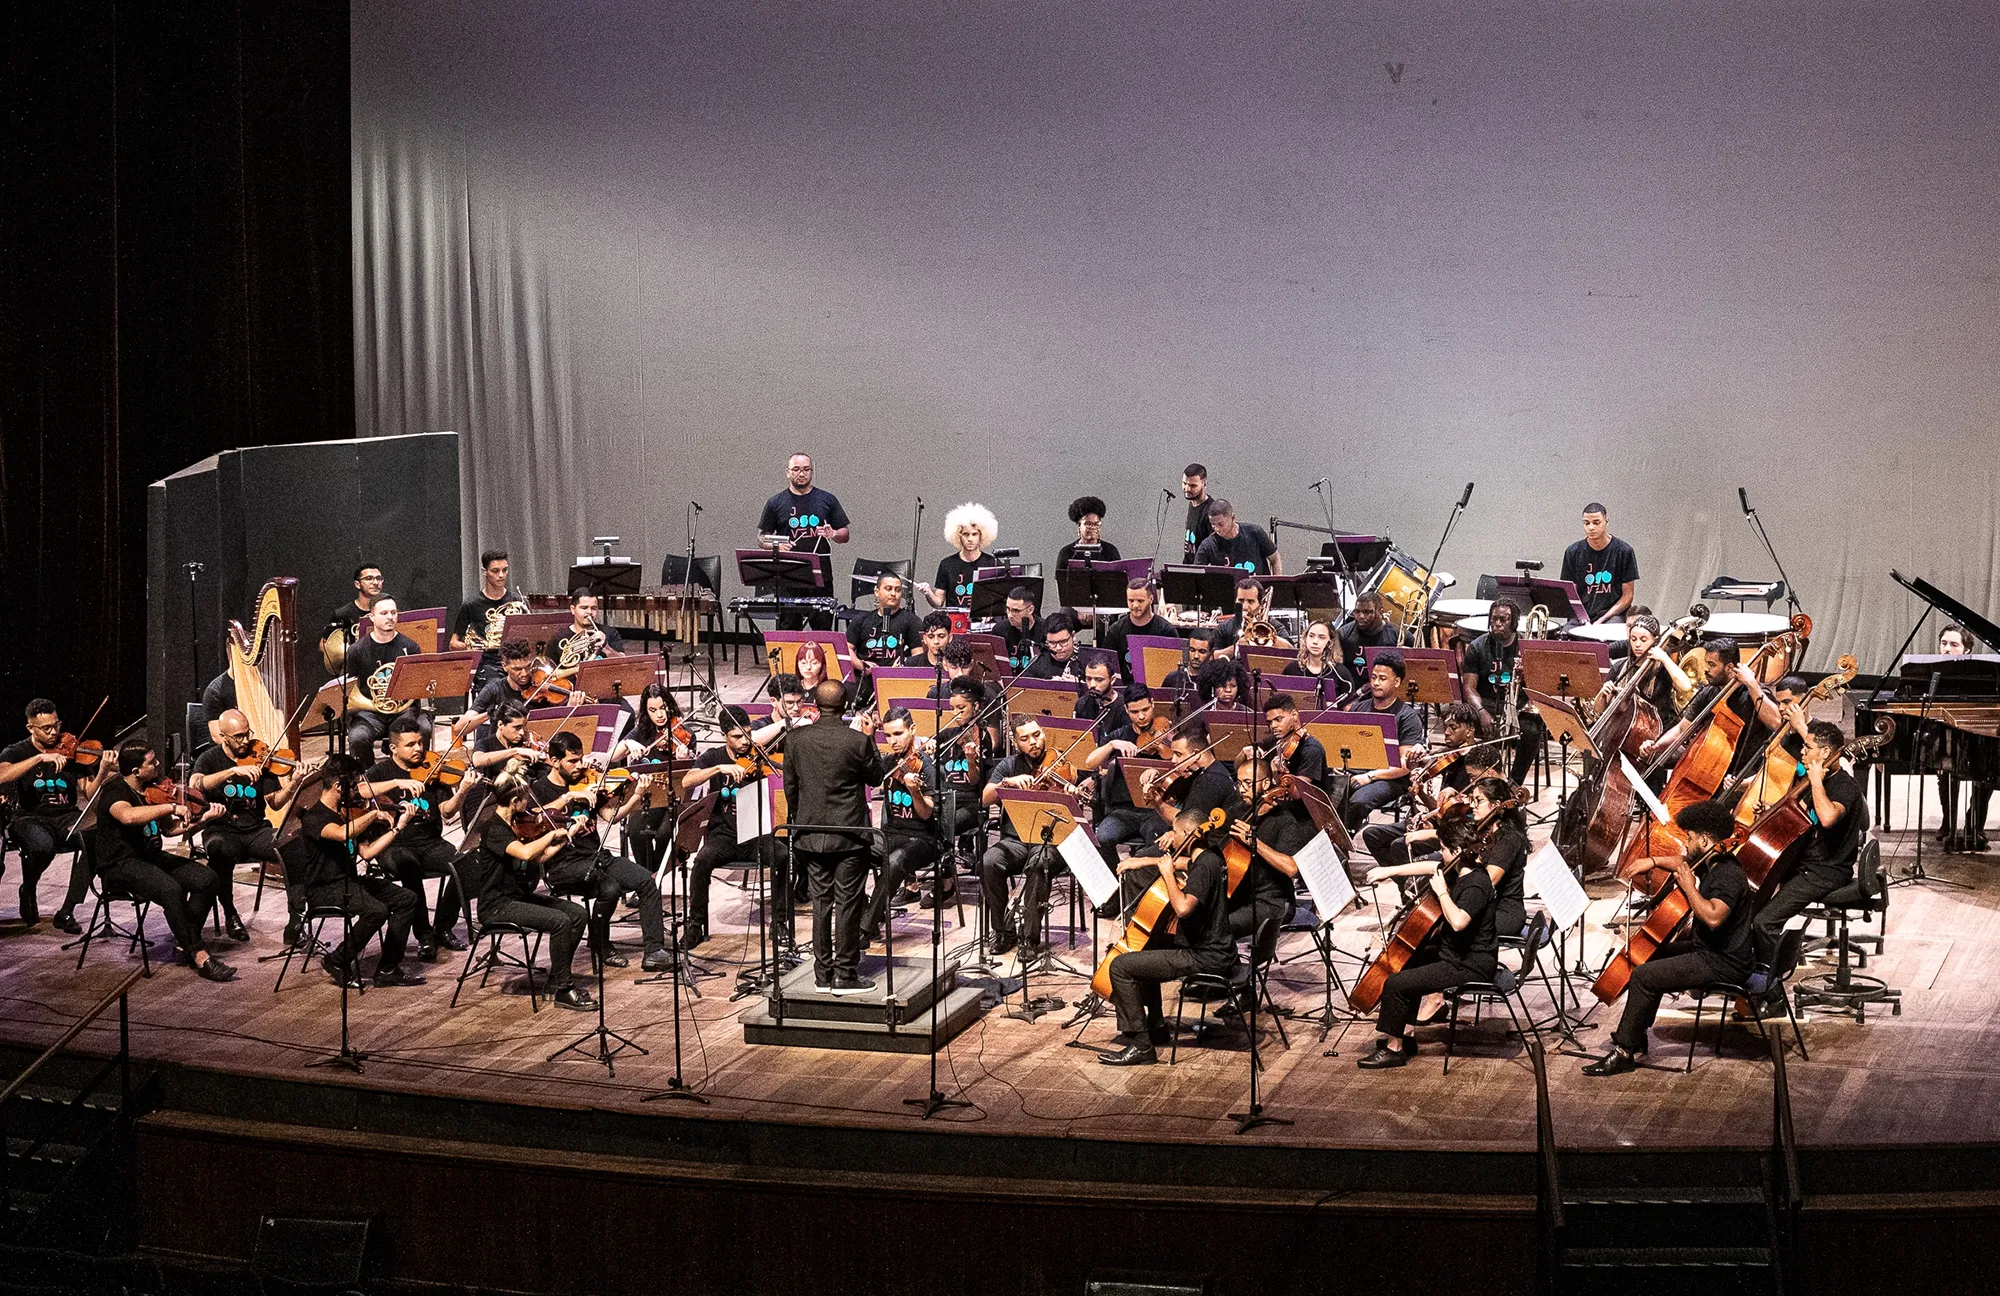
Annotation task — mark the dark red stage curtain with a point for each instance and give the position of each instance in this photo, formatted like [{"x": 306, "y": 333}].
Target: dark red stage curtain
[{"x": 174, "y": 281}]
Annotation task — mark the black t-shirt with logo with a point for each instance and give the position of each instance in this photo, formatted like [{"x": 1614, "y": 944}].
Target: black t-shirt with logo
[
  {"x": 1078, "y": 552},
  {"x": 118, "y": 843},
  {"x": 43, "y": 790},
  {"x": 243, "y": 800},
  {"x": 955, "y": 576},
  {"x": 1022, "y": 643},
  {"x": 722, "y": 819},
  {"x": 327, "y": 862},
  {"x": 1250, "y": 550},
  {"x": 885, "y": 640},
  {"x": 481, "y": 619},
  {"x": 1354, "y": 642},
  {"x": 1490, "y": 665},
  {"x": 428, "y": 823},
  {"x": 367, "y": 657},
  {"x": 899, "y": 807},
  {"x": 961, "y": 770},
  {"x": 1833, "y": 849},
  {"x": 1722, "y": 879},
  {"x": 1285, "y": 830},
  {"x": 1198, "y": 528},
  {"x": 789, "y": 513},
  {"x": 1600, "y": 575}
]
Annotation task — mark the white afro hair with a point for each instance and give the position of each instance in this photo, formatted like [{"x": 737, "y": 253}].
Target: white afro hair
[{"x": 970, "y": 514}]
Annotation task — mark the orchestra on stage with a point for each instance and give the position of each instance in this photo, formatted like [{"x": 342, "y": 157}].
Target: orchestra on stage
[{"x": 1246, "y": 742}]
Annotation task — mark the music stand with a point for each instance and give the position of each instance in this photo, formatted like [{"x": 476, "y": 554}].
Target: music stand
[
  {"x": 1211, "y": 589},
  {"x": 1566, "y": 725},
  {"x": 1360, "y": 740},
  {"x": 1304, "y": 689},
  {"x": 786, "y": 644},
  {"x": 1430, "y": 675},
  {"x": 1089, "y": 583},
  {"x": 1316, "y": 591},
  {"x": 789, "y": 572},
  {"x": 988, "y": 652},
  {"x": 583, "y": 721},
  {"x": 992, "y": 585},
  {"x": 1041, "y": 697},
  {"x": 1134, "y": 768},
  {"x": 898, "y": 685},
  {"x": 1042, "y": 820},
  {"x": 425, "y": 627},
  {"x": 1154, "y": 657},
  {"x": 1564, "y": 668},
  {"x": 605, "y": 576},
  {"x": 1558, "y": 596},
  {"x": 618, "y": 677},
  {"x": 1228, "y": 732},
  {"x": 540, "y": 629},
  {"x": 924, "y": 716},
  {"x": 1267, "y": 661},
  {"x": 426, "y": 677}
]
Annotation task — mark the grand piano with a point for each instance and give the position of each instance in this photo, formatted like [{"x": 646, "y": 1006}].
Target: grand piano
[{"x": 1948, "y": 693}]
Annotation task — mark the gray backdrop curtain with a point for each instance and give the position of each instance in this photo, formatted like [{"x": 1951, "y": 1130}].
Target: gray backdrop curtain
[{"x": 1019, "y": 250}]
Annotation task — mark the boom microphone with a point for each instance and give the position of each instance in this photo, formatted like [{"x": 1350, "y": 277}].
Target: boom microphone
[
  {"x": 1743, "y": 498},
  {"x": 1466, "y": 498}
]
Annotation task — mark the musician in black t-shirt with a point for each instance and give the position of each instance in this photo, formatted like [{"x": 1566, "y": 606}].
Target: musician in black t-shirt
[
  {"x": 1717, "y": 946},
  {"x": 515, "y": 683},
  {"x": 1721, "y": 659},
  {"x": 1058, "y": 658},
  {"x": 722, "y": 771},
  {"x": 368, "y": 587},
  {"x": 1201, "y": 940},
  {"x": 882, "y": 636},
  {"x": 1464, "y": 948},
  {"x": 1196, "y": 781},
  {"x": 421, "y": 850},
  {"x": 1372, "y": 790},
  {"x": 971, "y": 530},
  {"x": 1118, "y": 819},
  {"x": 909, "y": 835},
  {"x": 370, "y": 665},
  {"x": 811, "y": 519},
  {"x": 1194, "y": 488},
  {"x": 131, "y": 856},
  {"x": 1370, "y": 628},
  {"x": 1198, "y": 651},
  {"x": 1276, "y": 832},
  {"x": 1837, "y": 805},
  {"x": 1242, "y": 545},
  {"x": 326, "y": 860},
  {"x": 1098, "y": 701},
  {"x": 1141, "y": 618},
  {"x": 1022, "y": 631},
  {"x": 1603, "y": 568},
  {"x": 43, "y": 787},
  {"x": 589, "y": 636},
  {"x": 512, "y": 864},
  {"x": 1298, "y": 752},
  {"x": 585, "y": 866},
  {"x": 482, "y": 618},
  {"x": 1087, "y": 512},
  {"x": 1008, "y": 857},
  {"x": 243, "y": 833},
  {"x": 933, "y": 637}
]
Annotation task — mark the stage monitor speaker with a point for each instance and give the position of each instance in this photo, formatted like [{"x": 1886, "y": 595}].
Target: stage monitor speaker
[
  {"x": 314, "y": 511},
  {"x": 1119, "y": 1283},
  {"x": 332, "y": 1255}
]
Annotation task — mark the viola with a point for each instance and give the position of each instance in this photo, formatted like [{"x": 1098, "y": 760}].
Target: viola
[
  {"x": 78, "y": 752},
  {"x": 1154, "y": 917},
  {"x": 546, "y": 686},
  {"x": 261, "y": 758}
]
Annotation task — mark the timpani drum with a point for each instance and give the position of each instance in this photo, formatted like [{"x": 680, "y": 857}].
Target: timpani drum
[
  {"x": 1613, "y": 633},
  {"x": 1747, "y": 628}
]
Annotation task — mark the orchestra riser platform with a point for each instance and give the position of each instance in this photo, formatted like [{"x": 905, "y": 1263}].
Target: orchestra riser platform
[{"x": 805, "y": 1017}]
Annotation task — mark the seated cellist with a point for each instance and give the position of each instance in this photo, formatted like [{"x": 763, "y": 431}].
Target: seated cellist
[
  {"x": 1464, "y": 948},
  {"x": 1717, "y": 948}
]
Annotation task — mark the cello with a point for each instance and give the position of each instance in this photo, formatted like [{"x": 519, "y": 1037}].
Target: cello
[
  {"x": 1670, "y": 909},
  {"x": 1423, "y": 917},
  {"x": 1153, "y": 918}
]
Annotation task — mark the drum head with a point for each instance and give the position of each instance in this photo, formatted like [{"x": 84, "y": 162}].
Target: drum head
[
  {"x": 1746, "y": 625},
  {"x": 1604, "y": 634},
  {"x": 1461, "y": 607}
]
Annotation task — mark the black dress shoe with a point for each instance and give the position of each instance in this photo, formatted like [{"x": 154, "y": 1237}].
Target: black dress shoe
[
  {"x": 1004, "y": 941},
  {"x": 1384, "y": 1056},
  {"x": 31, "y": 911},
  {"x": 233, "y": 924},
  {"x": 450, "y": 940},
  {"x": 397, "y": 976},
  {"x": 342, "y": 973},
  {"x": 692, "y": 935},
  {"x": 427, "y": 951},
  {"x": 65, "y": 921},
  {"x": 1130, "y": 1055},
  {"x": 1616, "y": 1062},
  {"x": 614, "y": 960},
  {"x": 293, "y": 931},
  {"x": 1160, "y": 1035},
  {"x": 1109, "y": 909},
  {"x": 657, "y": 960},
  {"x": 575, "y": 998},
  {"x": 852, "y": 985},
  {"x": 215, "y": 970}
]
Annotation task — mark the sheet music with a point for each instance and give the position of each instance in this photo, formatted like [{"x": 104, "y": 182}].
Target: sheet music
[
  {"x": 1640, "y": 790},
  {"x": 1087, "y": 866},
  {"x": 756, "y": 812},
  {"x": 1326, "y": 876},
  {"x": 1549, "y": 880}
]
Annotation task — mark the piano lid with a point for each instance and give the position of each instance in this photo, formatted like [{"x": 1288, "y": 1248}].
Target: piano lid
[{"x": 1951, "y": 607}]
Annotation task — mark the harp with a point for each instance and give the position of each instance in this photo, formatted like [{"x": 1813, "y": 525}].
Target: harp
[{"x": 263, "y": 662}]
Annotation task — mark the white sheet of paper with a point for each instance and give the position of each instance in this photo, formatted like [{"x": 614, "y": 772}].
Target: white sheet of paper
[
  {"x": 1326, "y": 876},
  {"x": 754, "y": 811},
  {"x": 1643, "y": 792},
  {"x": 1549, "y": 880},
  {"x": 1080, "y": 853}
]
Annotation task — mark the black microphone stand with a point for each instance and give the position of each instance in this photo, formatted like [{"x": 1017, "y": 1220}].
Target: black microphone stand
[
  {"x": 1757, "y": 525},
  {"x": 602, "y": 1033},
  {"x": 944, "y": 814},
  {"x": 1917, "y": 876},
  {"x": 1423, "y": 607},
  {"x": 1256, "y": 1115}
]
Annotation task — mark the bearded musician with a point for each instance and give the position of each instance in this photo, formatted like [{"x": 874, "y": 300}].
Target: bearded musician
[
  {"x": 231, "y": 775},
  {"x": 583, "y": 865},
  {"x": 43, "y": 786},
  {"x": 421, "y": 851},
  {"x": 1277, "y": 828}
]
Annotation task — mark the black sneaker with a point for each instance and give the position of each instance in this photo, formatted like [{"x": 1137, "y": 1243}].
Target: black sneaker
[
  {"x": 852, "y": 985},
  {"x": 215, "y": 970},
  {"x": 574, "y": 997},
  {"x": 397, "y": 976},
  {"x": 427, "y": 951},
  {"x": 823, "y": 981}
]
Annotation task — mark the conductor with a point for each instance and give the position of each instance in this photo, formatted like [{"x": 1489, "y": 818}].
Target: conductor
[{"x": 828, "y": 771}]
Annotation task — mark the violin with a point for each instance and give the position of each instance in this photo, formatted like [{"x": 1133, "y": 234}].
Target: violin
[
  {"x": 440, "y": 768},
  {"x": 168, "y": 792},
  {"x": 545, "y": 685},
  {"x": 262, "y": 758},
  {"x": 78, "y": 752}
]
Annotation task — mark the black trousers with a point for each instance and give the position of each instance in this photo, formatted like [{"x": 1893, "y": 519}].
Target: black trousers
[
  {"x": 1136, "y": 979},
  {"x": 562, "y": 921},
  {"x": 602, "y": 881},
  {"x": 1245, "y": 919},
  {"x": 902, "y": 857},
  {"x": 1005, "y": 859},
  {"x": 180, "y": 888},
  {"x": 1389, "y": 845},
  {"x": 228, "y": 848},
  {"x": 719, "y": 850},
  {"x": 370, "y": 904},
  {"x": 1534, "y": 734},
  {"x": 1402, "y": 990},
  {"x": 1367, "y": 799},
  {"x": 39, "y": 838},
  {"x": 836, "y": 879},
  {"x": 426, "y": 857},
  {"x": 1676, "y": 965},
  {"x": 1808, "y": 886},
  {"x": 1122, "y": 824}
]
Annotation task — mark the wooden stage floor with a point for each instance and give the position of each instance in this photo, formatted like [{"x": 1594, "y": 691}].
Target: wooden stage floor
[{"x": 1929, "y": 1076}]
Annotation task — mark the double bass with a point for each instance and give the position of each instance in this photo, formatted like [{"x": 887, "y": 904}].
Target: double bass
[{"x": 1670, "y": 908}]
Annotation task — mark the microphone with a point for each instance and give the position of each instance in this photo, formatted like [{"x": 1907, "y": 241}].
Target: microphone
[
  {"x": 1931, "y": 692},
  {"x": 1743, "y": 498},
  {"x": 1321, "y": 482},
  {"x": 697, "y": 507},
  {"x": 1167, "y": 491},
  {"x": 1466, "y": 498}
]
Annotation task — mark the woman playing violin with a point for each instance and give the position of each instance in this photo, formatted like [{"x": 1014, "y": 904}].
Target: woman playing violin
[
  {"x": 1464, "y": 949},
  {"x": 1717, "y": 948},
  {"x": 657, "y": 731}
]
